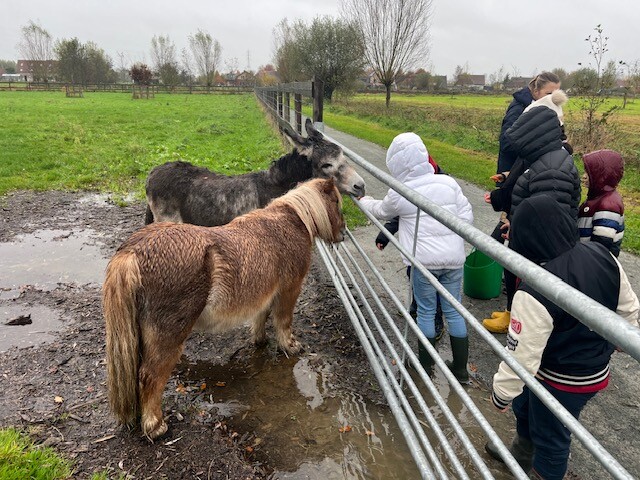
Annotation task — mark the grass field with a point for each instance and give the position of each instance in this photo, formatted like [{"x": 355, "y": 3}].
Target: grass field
[{"x": 109, "y": 142}]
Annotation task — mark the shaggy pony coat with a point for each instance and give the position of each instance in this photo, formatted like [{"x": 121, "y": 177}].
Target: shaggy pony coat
[{"x": 168, "y": 279}]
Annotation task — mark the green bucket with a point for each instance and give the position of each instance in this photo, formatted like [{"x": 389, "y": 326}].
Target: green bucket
[{"x": 482, "y": 276}]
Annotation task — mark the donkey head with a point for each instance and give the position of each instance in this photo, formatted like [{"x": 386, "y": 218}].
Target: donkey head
[{"x": 327, "y": 160}]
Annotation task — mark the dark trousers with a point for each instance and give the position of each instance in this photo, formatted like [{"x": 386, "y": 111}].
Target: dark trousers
[
  {"x": 510, "y": 280},
  {"x": 551, "y": 439}
]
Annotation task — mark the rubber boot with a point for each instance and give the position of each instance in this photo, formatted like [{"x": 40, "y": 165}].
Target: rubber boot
[
  {"x": 460, "y": 349},
  {"x": 423, "y": 355},
  {"x": 521, "y": 448},
  {"x": 498, "y": 323}
]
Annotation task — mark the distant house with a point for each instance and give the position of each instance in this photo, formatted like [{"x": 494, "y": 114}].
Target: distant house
[
  {"x": 516, "y": 83},
  {"x": 475, "y": 82},
  {"x": 371, "y": 81},
  {"x": 245, "y": 79},
  {"x": 37, "y": 70},
  {"x": 439, "y": 82}
]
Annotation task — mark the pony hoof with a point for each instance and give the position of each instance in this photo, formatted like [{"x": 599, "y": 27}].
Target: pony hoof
[
  {"x": 293, "y": 347},
  {"x": 159, "y": 430}
]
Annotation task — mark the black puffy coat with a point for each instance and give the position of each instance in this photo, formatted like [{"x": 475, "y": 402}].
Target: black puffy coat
[
  {"x": 506, "y": 156},
  {"x": 543, "y": 165}
]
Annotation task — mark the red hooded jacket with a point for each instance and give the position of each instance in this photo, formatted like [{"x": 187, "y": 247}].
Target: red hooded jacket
[{"x": 601, "y": 216}]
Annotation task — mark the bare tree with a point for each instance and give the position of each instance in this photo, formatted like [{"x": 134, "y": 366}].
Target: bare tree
[
  {"x": 123, "y": 68},
  {"x": 37, "y": 45},
  {"x": 206, "y": 53},
  {"x": 186, "y": 64},
  {"x": 395, "y": 34},
  {"x": 285, "y": 54},
  {"x": 163, "y": 55}
]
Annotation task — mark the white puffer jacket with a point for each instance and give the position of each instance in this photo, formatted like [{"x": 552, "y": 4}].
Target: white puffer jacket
[{"x": 437, "y": 247}]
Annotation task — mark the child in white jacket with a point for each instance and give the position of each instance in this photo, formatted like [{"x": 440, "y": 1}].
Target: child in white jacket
[{"x": 439, "y": 249}]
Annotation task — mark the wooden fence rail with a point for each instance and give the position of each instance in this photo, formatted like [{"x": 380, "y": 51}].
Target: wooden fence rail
[
  {"x": 277, "y": 99},
  {"x": 122, "y": 88}
]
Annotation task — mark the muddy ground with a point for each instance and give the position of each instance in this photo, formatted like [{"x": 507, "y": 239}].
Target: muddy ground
[
  {"x": 72, "y": 367},
  {"x": 56, "y": 391}
]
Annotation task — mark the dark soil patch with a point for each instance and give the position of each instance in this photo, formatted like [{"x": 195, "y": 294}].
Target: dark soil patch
[{"x": 57, "y": 392}]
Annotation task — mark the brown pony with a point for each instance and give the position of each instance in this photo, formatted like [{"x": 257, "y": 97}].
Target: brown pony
[{"x": 168, "y": 279}]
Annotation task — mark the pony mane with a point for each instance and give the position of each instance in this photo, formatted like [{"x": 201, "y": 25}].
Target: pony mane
[{"x": 308, "y": 201}]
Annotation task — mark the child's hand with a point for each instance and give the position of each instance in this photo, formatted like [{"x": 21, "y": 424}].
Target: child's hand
[
  {"x": 487, "y": 197},
  {"x": 506, "y": 226},
  {"x": 498, "y": 177},
  {"x": 380, "y": 246}
]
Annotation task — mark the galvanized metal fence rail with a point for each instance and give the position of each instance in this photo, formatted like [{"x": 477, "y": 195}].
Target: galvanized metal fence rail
[{"x": 359, "y": 283}]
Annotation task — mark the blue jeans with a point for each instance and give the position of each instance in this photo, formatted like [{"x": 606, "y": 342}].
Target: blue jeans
[
  {"x": 426, "y": 297},
  {"x": 551, "y": 439}
]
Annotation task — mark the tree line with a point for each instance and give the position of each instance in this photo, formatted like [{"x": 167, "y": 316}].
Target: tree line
[{"x": 385, "y": 38}]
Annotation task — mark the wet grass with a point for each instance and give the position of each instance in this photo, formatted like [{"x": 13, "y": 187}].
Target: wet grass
[
  {"x": 109, "y": 142},
  {"x": 21, "y": 459}
]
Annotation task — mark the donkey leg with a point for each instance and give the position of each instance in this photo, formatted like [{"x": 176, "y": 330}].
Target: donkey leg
[
  {"x": 283, "y": 308},
  {"x": 161, "y": 354}
]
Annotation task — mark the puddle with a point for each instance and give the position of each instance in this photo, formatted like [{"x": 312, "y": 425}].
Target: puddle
[
  {"x": 47, "y": 258},
  {"x": 296, "y": 414},
  {"x": 45, "y": 322},
  {"x": 106, "y": 199}
]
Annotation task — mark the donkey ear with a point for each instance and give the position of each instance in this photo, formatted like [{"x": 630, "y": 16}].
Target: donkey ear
[
  {"x": 311, "y": 130},
  {"x": 294, "y": 138}
]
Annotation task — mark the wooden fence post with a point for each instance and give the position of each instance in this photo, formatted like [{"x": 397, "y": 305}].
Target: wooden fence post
[
  {"x": 287, "y": 107},
  {"x": 279, "y": 104},
  {"x": 297, "y": 101},
  {"x": 317, "y": 92}
]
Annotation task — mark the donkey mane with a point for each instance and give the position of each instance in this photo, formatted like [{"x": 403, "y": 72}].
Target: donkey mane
[
  {"x": 291, "y": 168},
  {"x": 309, "y": 204}
]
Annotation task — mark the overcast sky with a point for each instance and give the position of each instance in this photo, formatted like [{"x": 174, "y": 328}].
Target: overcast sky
[{"x": 485, "y": 35}]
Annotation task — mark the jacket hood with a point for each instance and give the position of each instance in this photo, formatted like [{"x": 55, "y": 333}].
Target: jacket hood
[
  {"x": 407, "y": 157},
  {"x": 605, "y": 169},
  {"x": 535, "y": 133},
  {"x": 523, "y": 96},
  {"x": 541, "y": 229}
]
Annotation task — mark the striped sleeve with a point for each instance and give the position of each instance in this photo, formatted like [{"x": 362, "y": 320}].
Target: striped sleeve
[{"x": 608, "y": 228}]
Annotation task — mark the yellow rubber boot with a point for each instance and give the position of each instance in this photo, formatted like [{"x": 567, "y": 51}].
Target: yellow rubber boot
[
  {"x": 498, "y": 324},
  {"x": 497, "y": 314}
]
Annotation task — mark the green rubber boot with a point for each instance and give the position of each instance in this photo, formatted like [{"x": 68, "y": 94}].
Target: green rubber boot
[
  {"x": 460, "y": 349},
  {"x": 423, "y": 355}
]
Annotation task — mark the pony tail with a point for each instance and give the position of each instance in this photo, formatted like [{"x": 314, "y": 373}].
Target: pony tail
[{"x": 121, "y": 285}]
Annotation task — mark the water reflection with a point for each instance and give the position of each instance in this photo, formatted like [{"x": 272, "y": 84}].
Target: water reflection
[
  {"x": 44, "y": 323},
  {"x": 46, "y": 258}
]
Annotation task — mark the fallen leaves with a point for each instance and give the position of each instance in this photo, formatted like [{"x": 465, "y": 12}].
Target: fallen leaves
[
  {"x": 58, "y": 399},
  {"x": 345, "y": 429}
]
